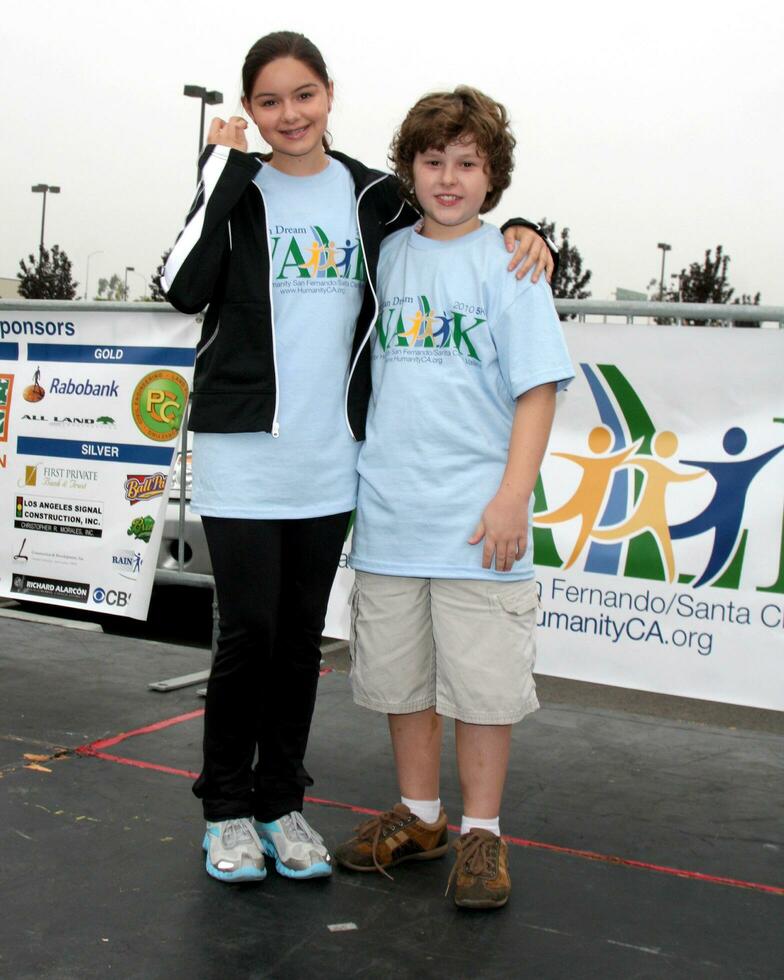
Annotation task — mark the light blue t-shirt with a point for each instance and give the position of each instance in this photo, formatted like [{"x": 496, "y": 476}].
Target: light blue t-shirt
[
  {"x": 318, "y": 279},
  {"x": 457, "y": 340}
]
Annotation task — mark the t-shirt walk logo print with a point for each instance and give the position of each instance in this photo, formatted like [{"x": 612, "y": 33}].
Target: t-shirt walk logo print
[
  {"x": 302, "y": 253},
  {"x": 426, "y": 329}
]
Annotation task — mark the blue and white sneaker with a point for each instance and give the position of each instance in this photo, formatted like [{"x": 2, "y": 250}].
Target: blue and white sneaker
[
  {"x": 299, "y": 851},
  {"x": 234, "y": 851}
]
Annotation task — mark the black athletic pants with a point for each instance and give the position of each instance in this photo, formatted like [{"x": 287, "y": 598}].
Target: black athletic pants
[{"x": 273, "y": 580}]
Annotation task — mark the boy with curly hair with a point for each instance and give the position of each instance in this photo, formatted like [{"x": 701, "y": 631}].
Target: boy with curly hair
[{"x": 466, "y": 362}]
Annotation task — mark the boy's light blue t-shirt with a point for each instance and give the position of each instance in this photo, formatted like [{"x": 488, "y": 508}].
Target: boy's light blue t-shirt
[
  {"x": 318, "y": 273},
  {"x": 457, "y": 340}
]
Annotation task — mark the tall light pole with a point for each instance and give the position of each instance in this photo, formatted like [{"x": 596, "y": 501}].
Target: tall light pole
[
  {"x": 665, "y": 249},
  {"x": 144, "y": 282},
  {"x": 128, "y": 268},
  {"x": 43, "y": 189},
  {"x": 87, "y": 274},
  {"x": 207, "y": 98}
]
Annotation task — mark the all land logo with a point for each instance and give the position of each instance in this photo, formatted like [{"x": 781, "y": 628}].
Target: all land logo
[
  {"x": 158, "y": 404},
  {"x": 6, "y": 390},
  {"x": 139, "y": 487},
  {"x": 621, "y": 512},
  {"x": 425, "y": 329},
  {"x": 69, "y": 421}
]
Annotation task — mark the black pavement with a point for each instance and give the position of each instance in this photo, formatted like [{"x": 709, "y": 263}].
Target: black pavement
[{"x": 610, "y": 794}]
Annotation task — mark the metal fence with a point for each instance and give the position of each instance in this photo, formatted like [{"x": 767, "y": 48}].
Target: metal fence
[{"x": 726, "y": 314}]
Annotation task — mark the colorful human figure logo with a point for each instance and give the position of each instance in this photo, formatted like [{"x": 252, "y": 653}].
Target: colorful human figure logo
[
  {"x": 650, "y": 512},
  {"x": 592, "y": 490},
  {"x": 724, "y": 512},
  {"x": 622, "y": 496}
]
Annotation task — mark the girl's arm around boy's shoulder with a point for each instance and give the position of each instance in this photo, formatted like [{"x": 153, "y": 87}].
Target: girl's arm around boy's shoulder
[
  {"x": 528, "y": 334},
  {"x": 195, "y": 261},
  {"x": 504, "y": 289}
]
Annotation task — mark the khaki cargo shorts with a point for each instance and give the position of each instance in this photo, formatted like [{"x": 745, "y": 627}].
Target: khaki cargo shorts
[{"x": 465, "y": 646}]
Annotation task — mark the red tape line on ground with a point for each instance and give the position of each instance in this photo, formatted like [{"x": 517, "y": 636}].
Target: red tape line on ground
[
  {"x": 95, "y": 750},
  {"x": 92, "y": 748}
]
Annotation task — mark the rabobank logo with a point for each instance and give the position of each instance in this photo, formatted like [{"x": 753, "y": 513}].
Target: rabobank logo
[
  {"x": 34, "y": 392},
  {"x": 628, "y": 501},
  {"x": 84, "y": 387},
  {"x": 81, "y": 387}
]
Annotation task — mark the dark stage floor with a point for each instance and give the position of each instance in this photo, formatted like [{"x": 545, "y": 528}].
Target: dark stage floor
[{"x": 644, "y": 843}]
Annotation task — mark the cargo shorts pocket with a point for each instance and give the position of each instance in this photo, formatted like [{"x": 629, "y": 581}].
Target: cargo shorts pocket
[
  {"x": 519, "y": 602},
  {"x": 518, "y": 598}
]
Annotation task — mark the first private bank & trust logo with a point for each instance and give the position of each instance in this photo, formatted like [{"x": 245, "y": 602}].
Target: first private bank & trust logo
[
  {"x": 623, "y": 509},
  {"x": 158, "y": 404}
]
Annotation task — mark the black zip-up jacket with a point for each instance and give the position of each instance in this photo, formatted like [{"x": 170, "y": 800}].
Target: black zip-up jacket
[{"x": 221, "y": 261}]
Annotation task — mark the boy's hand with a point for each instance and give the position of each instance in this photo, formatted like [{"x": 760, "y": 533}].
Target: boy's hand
[
  {"x": 231, "y": 133},
  {"x": 504, "y": 527},
  {"x": 532, "y": 248}
]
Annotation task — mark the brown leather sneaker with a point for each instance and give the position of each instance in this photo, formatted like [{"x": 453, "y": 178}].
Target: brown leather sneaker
[
  {"x": 391, "y": 838},
  {"x": 481, "y": 871}
]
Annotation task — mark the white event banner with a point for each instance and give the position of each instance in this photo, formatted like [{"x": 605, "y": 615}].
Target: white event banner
[
  {"x": 659, "y": 515},
  {"x": 91, "y": 404}
]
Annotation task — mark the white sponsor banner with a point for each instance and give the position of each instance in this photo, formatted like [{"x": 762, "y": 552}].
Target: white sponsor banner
[
  {"x": 659, "y": 528},
  {"x": 90, "y": 410}
]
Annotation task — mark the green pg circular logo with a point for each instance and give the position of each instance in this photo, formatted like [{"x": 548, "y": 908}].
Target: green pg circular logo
[{"x": 158, "y": 403}]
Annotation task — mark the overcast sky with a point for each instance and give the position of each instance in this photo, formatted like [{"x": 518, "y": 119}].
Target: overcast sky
[{"x": 636, "y": 123}]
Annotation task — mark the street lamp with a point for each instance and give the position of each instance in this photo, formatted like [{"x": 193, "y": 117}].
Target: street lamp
[
  {"x": 665, "y": 249},
  {"x": 678, "y": 277},
  {"x": 87, "y": 274},
  {"x": 128, "y": 268},
  {"x": 207, "y": 98},
  {"x": 43, "y": 189},
  {"x": 144, "y": 282}
]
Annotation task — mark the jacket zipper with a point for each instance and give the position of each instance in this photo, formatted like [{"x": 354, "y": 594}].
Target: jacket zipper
[
  {"x": 214, "y": 335},
  {"x": 275, "y": 426},
  {"x": 375, "y": 303}
]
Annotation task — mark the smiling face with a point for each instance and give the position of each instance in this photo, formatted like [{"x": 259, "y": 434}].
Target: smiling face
[
  {"x": 451, "y": 186},
  {"x": 290, "y": 105}
]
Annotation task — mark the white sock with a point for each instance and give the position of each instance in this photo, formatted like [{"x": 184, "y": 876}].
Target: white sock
[
  {"x": 478, "y": 823},
  {"x": 427, "y": 810}
]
